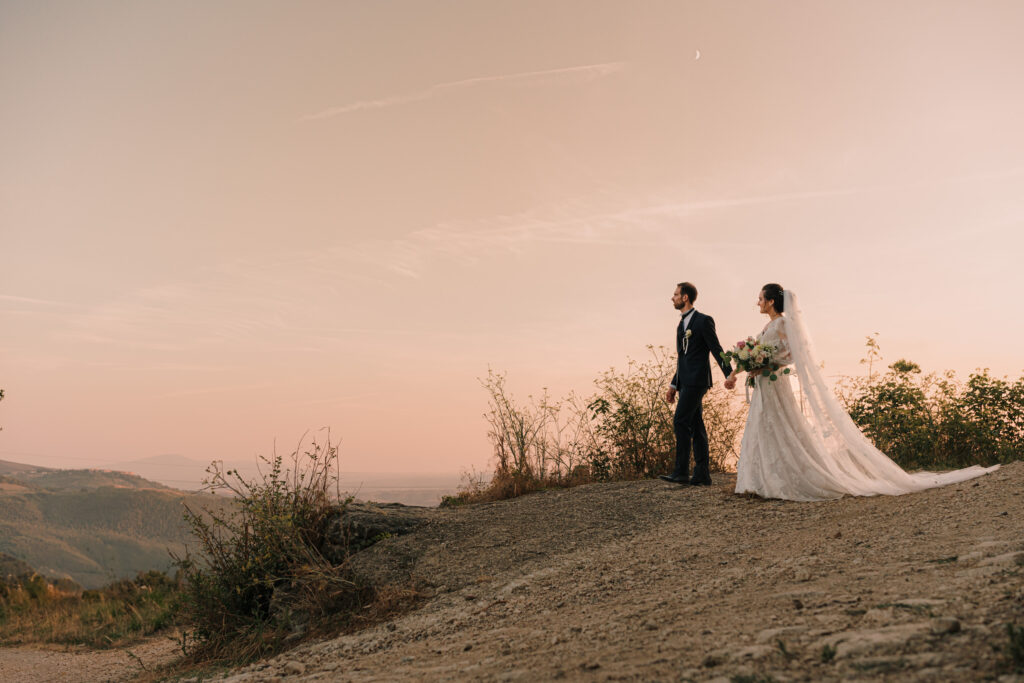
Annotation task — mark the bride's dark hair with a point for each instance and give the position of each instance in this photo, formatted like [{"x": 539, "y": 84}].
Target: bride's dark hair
[{"x": 773, "y": 293}]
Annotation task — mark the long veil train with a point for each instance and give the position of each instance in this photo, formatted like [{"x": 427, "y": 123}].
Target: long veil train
[{"x": 849, "y": 457}]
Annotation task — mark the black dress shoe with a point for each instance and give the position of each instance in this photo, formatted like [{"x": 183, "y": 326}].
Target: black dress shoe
[
  {"x": 672, "y": 478},
  {"x": 700, "y": 482}
]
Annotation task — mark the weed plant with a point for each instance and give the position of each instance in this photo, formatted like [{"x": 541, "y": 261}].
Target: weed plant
[
  {"x": 260, "y": 580},
  {"x": 622, "y": 431}
]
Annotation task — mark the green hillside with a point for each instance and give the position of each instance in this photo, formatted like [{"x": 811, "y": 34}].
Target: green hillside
[{"x": 97, "y": 535}]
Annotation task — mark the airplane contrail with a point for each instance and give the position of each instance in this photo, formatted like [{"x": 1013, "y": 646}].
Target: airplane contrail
[{"x": 588, "y": 71}]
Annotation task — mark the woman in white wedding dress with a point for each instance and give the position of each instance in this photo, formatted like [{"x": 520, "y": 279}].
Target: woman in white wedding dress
[{"x": 822, "y": 454}]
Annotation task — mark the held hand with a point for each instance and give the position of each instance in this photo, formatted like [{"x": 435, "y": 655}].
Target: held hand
[
  {"x": 670, "y": 396},
  {"x": 730, "y": 383}
]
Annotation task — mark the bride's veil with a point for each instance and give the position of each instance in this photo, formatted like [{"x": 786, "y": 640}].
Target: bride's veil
[{"x": 844, "y": 449}]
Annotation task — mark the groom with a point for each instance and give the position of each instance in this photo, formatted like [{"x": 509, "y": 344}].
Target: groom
[{"x": 695, "y": 339}]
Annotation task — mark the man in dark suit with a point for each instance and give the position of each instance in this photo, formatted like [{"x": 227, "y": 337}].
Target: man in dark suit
[{"x": 696, "y": 339}]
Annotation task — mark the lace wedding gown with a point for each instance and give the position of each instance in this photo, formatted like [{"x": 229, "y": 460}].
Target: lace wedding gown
[{"x": 817, "y": 454}]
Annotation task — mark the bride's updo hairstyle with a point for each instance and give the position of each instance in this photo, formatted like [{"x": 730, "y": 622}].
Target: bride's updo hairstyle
[{"x": 773, "y": 293}]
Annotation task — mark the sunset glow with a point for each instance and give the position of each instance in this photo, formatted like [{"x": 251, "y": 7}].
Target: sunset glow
[{"x": 227, "y": 223}]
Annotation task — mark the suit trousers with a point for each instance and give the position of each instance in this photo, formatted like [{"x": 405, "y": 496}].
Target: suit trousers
[{"x": 689, "y": 428}]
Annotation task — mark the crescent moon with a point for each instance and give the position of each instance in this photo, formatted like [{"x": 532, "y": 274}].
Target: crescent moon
[{"x": 697, "y": 56}]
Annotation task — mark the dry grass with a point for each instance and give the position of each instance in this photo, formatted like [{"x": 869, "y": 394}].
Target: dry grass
[
  {"x": 622, "y": 432},
  {"x": 119, "y": 614}
]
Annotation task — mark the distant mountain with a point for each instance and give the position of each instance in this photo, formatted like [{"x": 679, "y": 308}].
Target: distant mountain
[
  {"x": 176, "y": 471},
  {"x": 180, "y": 472},
  {"x": 7, "y": 467}
]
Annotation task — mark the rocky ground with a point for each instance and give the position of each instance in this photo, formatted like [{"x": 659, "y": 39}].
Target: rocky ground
[{"x": 651, "y": 581}]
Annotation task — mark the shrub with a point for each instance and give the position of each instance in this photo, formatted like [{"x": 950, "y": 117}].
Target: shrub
[
  {"x": 632, "y": 435},
  {"x": 1015, "y": 647},
  {"x": 261, "y": 578},
  {"x": 622, "y": 431},
  {"x": 934, "y": 421}
]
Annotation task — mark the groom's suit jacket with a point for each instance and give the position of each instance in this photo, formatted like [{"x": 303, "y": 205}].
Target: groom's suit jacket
[{"x": 694, "y": 369}]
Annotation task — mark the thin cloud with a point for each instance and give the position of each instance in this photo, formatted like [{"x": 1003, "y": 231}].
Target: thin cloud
[
  {"x": 216, "y": 390},
  {"x": 584, "y": 73},
  {"x": 30, "y": 300},
  {"x": 310, "y": 300}
]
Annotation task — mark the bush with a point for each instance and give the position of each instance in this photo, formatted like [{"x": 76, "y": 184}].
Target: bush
[
  {"x": 1015, "y": 647},
  {"x": 632, "y": 435},
  {"x": 934, "y": 421},
  {"x": 622, "y": 431},
  {"x": 261, "y": 579}
]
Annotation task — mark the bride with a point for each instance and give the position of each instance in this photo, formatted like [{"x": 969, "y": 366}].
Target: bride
[{"x": 820, "y": 455}]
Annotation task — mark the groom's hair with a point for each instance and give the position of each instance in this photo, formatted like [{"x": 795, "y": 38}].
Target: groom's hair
[
  {"x": 689, "y": 290},
  {"x": 773, "y": 293}
]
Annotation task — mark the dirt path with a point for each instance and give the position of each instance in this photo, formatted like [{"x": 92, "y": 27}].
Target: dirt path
[
  {"x": 649, "y": 581},
  {"x": 81, "y": 665}
]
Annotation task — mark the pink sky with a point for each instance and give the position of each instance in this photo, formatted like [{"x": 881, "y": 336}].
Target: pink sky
[{"x": 225, "y": 223}]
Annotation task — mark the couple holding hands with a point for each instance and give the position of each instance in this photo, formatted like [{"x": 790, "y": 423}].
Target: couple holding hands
[{"x": 786, "y": 452}]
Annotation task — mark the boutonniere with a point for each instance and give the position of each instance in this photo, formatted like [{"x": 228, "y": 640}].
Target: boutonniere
[{"x": 686, "y": 340}]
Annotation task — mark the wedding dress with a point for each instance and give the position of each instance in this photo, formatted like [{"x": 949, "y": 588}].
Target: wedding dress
[{"x": 818, "y": 453}]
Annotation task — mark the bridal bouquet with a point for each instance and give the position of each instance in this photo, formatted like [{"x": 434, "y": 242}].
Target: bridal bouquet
[{"x": 750, "y": 355}]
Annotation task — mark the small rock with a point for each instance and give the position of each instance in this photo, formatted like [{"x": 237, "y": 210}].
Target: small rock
[
  {"x": 294, "y": 668},
  {"x": 770, "y": 635},
  {"x": 1006, "y": 560},
  {"x": 922, "y": 602},
  {"x": 867, "y": 642},
  {"x": 467, "y": 647},
  {"x": 924, "y": 659},
  {"x": 751, "y": 652},
  {"x": 713, "y": 660},
  {"x": 943, "y": 625}
]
